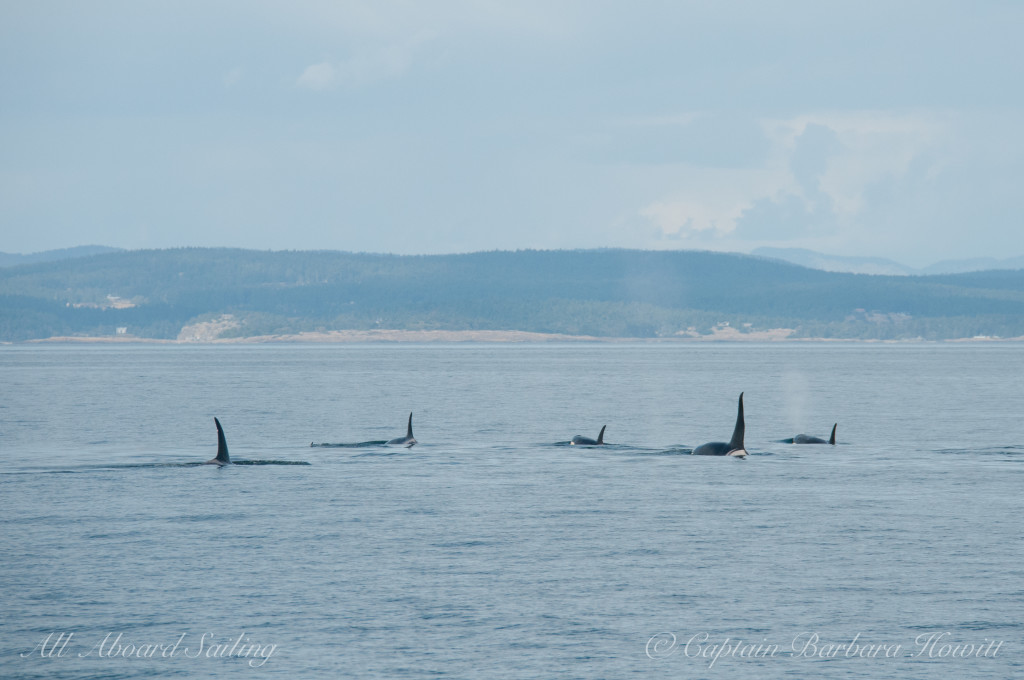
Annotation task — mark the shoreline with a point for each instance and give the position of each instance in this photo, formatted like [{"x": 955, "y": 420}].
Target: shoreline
[{"x": 781, "y": 335}]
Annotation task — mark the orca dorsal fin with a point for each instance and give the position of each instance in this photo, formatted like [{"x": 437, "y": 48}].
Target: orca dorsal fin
[
  {"x": 600, "y": 437},
  {"x": 408, "y": 432},
  {"x": 832, "y": 439},
  {"x": 736, "y": 443},
  {"x": 222, "y": 445}
]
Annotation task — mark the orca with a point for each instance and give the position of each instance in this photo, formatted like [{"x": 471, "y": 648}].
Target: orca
[
  {"x": 808, "y": 439},
  {"x": 353, "y": 445},
  {"x": 580, "y": 440},
  {"x": 734, "y": 447},
  {"x": 407, "y": 441},
  {"x": 223, "y": 458},
  {"x": 222, "y": 448}
]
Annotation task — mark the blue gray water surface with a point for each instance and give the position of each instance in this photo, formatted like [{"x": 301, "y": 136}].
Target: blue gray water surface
[{"x": 492, "y": 549}]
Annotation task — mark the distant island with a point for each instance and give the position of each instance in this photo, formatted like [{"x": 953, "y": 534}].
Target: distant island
[{"x": 221, "y": 295}]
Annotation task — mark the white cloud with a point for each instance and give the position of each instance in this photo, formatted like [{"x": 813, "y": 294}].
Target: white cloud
[
  {"x": 816, "y": 179},
  {"x": 876, "y": 147},
  {"x": 380, "y": 63},
  {"x": 685, "y": 216},
  {"x": 368, "y": 63},
  {"x": 317, "y": 76}
]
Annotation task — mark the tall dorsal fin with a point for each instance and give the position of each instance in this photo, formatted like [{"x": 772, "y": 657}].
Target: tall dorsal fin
[
  {"x": 736, "y": 443},
  {"x": 600, "y": 437},
  {"x": 832, "y": 439},
  {"x": 222, "y": 445},
  {"x": 408, "y": 432}
]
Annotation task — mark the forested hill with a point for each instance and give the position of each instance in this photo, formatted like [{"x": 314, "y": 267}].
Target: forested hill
[{"x": 612, "y": 293}]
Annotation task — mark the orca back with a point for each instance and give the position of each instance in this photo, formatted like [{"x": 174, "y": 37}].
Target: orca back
[
  {"x": 407, "y": 441},
  {"x": 580, "y": 440},
  {"x": 810, "y": 439},
  {"x": 735, "y": 445},
  {"x": 712, "y": 449}
]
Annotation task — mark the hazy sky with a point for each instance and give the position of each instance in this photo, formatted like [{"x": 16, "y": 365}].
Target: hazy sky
[{"x": 864, "y": 128}]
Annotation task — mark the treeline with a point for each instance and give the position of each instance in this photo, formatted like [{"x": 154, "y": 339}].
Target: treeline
[{"x": 613, "y": 293}]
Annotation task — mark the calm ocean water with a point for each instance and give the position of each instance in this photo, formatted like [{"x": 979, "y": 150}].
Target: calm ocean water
[{"x": 492, "y": 549}]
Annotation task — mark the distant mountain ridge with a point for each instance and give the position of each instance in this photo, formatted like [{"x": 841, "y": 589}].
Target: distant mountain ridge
[
  {"x": 883, "y": 266},
  {"x": 234, "y": 293},
  {"x": 14, "y": 259},
  {"x": 799, "y": 256}
]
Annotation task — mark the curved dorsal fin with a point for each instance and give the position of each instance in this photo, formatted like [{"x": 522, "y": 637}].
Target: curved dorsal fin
[
  {"x": 600, "y": 437},
  {"x": 408, "y": 432},
  {"x": 832, "y": 439},
  {"x": 736, "y": 443},
  {"x": 222, "y": 445}
]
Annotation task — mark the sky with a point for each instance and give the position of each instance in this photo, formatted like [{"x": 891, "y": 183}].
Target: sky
[{"x": 865, "y": 128}]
